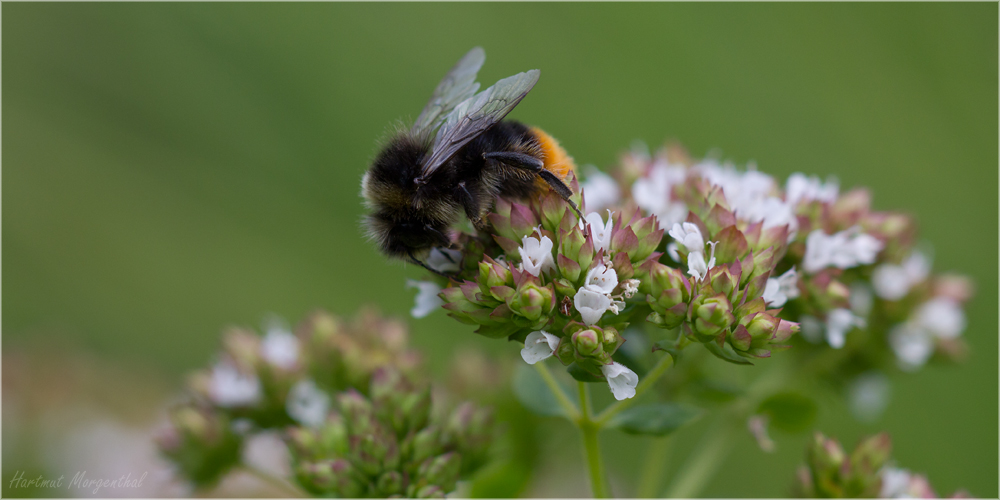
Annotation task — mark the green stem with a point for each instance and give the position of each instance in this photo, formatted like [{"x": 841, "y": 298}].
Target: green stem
[
  {"x": 589, "y": 429},
  {"x": 276, "y": 482},
  {"x": 654, "y": 466},
  {"x": 700, "y": 467},
  {"x": 644, "y": 385},
  {"x": 572, "y": 413}
]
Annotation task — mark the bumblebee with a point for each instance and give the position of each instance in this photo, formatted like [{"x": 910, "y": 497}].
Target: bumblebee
[{"x": 458, "y": 157}]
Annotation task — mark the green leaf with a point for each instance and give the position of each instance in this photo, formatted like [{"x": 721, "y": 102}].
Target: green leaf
[
  {"x": 658, "y": 419},
  {"x": 726, "y": 353},
  {"x": 789, "y": 411},
  {"x": 532, "y": 391},
  {"x": 670, "y": 346}
]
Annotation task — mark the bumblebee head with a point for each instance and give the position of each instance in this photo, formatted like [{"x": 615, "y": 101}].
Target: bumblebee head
[
  {"x": 405, "y": 235},
  {"x": 404, "y": 219}
]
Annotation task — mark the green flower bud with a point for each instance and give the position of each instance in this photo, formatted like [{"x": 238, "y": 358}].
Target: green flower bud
[
  {"x": 871, "y": 453},
  {"x": 587, "y": 343},
  {"x": 425, "y": 444},
  {"x": 442, "y": 471},
  {"x": 712, "y": 315},
  {"x": 571, "y": 242},
  {"x": 389, "y": 483},
  {"x": 531, "y": 301},
  {"x": 762, "y": 326}
]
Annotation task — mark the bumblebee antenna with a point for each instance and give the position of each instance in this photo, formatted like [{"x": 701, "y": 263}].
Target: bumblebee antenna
[{"x": 425, "y": 266}]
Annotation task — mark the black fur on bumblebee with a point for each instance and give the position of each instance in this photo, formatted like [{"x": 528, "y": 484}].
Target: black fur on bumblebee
[{"x": 458, "y": 157}]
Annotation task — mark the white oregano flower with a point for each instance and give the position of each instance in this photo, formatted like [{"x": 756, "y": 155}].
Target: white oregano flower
[
  {"x": 838, "y": 323},
  {"x": 689, "y": 235},
  {"x": 538, "y": 346},
  {"x": 942, "y": 317},
  {"x": 912, "y": 346},
  {"x": 591, "y": 304},
  {"x": 621, "y": 380},
  {"x": 536, "y": 255},
  {"x": 697, "y": 267},
  {"x": 599, "y": 190},
  {"x": 229, "y": 387},
  {"x": 602, "y": 279},
  {"x": 427, "y": 300},
  {"x": 444, "y": 260},
  {"x": 652, "y": 193},
  {"x": 307, "y": 403},
  {"x": 868, "y": 396},
  {"x": 600, "y": 231},
  {"x": 778, "y": 290},
  {"x": 895, "y": 483},
  {"x": 280, "y": 347},
  {"x": 802, "y": 188},
  {"x": 843, "y": 250},
  {"x": 894, "y": 281}
]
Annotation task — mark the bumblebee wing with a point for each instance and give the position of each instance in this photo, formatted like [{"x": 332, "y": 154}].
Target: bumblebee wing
[
  {"x": 458, "y": 85},
  {"x": 475, "y": 115}
]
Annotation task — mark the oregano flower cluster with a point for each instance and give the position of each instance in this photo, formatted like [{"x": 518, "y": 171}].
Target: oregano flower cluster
[{"x": 350, "y": 400}]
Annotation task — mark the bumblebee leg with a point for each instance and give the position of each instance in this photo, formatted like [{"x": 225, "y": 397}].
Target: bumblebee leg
[{"x": 537, "y": 167}]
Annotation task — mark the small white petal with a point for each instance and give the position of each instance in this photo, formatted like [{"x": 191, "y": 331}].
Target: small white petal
[
  {"x": 838, "y": 323},
  {"x": 773, "y": 297},
  {"x": 943, "y": 317},
  {"x": 917, "y": 266},
  {"x": 444, "y": 260},
  {"x": 601, "y": 279},
  {"x": 427, "y": 300},
  {"x": 869, "y": 396},
  {"x": 600, "y": 231},
  {"x": 536, "y": 255},
  {"x": 307, "y": 404},
  {"x": 229, "y": 387},
  {"x": 280, "y": 347},
  {"x": 895, "y": 483},
  {"x": 672, "y": 248},
  {"x": 538, "y": 346},
  {"x": 891, "y": 282},
  {"x": 697, "y": 267},
  {"x": 912, "y": 345},
  {"x": 591, "y": 304},
  {"x": 689, "y": 235},
  {"x": 599, "y": 190},
  {"x": 621, "y": 380}
]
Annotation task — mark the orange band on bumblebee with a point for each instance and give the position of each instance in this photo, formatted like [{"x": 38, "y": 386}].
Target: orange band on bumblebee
[{"x": 556, "y": 159}]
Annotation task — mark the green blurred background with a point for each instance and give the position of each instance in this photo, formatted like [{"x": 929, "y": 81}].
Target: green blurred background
[{"x": 169, "y": 169}]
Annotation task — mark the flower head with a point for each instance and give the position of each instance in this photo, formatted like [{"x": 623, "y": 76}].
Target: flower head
[
  {"x": 838, "y": 323},
  {"x": 802, "y": 188},
  {"x": 444, "y": 260},
  {"x": 599, "y": 230}
]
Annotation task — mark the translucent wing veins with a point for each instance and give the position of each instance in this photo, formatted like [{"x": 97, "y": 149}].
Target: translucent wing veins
[
  {"x": 475, "y": 115},
  {"x": 458, "y": 85}
]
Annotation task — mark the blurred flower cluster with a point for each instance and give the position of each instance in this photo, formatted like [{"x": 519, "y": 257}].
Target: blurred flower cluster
[
  {"x": 866, "y": 472},
  {"x": 349, "y": 400}
]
